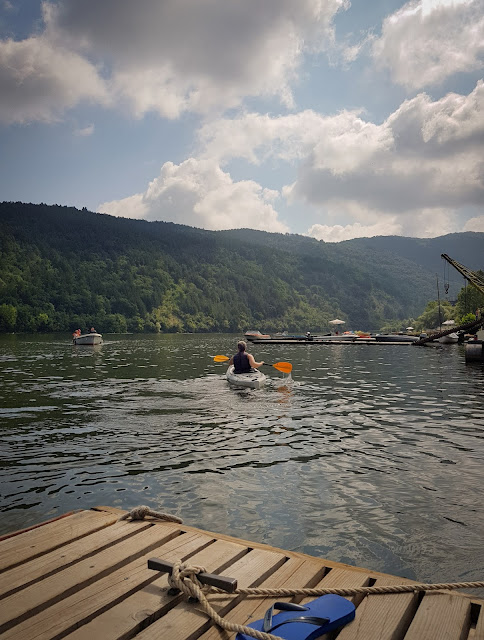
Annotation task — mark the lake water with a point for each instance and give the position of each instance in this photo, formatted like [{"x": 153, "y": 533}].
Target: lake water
[{"x": 368, "y": 454}]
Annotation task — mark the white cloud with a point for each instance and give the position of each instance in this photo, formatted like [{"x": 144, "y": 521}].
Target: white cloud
[
  {"x": 338, "y": 233},
  {"x": 168, "y": 57},
  {"x": 85, "y": 131},
  {"x": 38, "y": 81},
  {"x": 475, "y": 224},
  {"x": 198, "y": 193},
  {"x": 420, "y": 165},
  {"x": 426, "y": 41},
  {"x": 338, "y": 142}
]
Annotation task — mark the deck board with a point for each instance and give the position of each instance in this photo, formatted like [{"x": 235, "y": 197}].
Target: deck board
[
  {"x": 382, "y": 617},
  {"x": 186, "y": 620},
  {"x": 152, "y": 601},
  {"x": 441, "y": 616},
  {"x": 31, "y": 544},
  {"x": 49, "y": 563},
  {"x": 81, "y": 607},
  {"x": 296, "y": 573},
  {"x": 23, "y": 603},
  {"x": 478, "y": 632},
  {"x": 85, "y": 577}
]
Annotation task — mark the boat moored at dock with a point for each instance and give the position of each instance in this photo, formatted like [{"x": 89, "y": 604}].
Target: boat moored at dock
[{"x": 395, "y": 337}]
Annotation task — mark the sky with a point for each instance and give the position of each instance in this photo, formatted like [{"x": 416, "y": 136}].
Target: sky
[{"x": 334, "y": 119}]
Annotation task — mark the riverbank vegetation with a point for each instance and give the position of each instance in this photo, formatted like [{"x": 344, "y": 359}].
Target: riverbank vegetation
[{"x": 63, "y": 269}]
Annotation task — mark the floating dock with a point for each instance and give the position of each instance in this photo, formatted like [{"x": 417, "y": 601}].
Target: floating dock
[
  {"x": 85, "y": 576},
  {"x": 323, "y": 341}
]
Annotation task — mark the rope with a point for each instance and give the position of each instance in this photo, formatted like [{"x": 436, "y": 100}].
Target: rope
[
  {"x": 184, "y": 578},
  {"x": 139, "y": 513},
  {"x": 398, "y": 588}
]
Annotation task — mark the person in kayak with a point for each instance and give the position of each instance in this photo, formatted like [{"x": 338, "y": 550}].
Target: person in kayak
[{"x": 244, "y": 362}]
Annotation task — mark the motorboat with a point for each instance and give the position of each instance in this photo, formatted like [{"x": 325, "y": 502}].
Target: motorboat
[
  {"x": 88, "y": 338},
  {"x": 253, "y": 380},
  {"x": 450, "y": 338},
  {"x": 251, "y": 335},
  {"x": 395, "y": 337}
]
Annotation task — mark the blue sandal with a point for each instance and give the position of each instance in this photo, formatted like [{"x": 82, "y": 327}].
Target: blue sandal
[{"x": 304, "y": 622}]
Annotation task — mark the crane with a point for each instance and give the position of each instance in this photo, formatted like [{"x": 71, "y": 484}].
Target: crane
[
  {"x": 478, "y": 282},
  {"x": 473, "y": 277}
]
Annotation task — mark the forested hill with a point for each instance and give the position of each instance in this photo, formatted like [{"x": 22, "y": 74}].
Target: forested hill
[{"x": 61, "y": 268}]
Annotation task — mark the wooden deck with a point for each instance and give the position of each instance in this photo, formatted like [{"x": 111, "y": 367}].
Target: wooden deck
[
  {"x": 322, "y": 341},
  {"x": 84, "y": 577}
]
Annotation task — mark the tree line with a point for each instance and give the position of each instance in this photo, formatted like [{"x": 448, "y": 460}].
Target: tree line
[{"x": 63, "y": 269}]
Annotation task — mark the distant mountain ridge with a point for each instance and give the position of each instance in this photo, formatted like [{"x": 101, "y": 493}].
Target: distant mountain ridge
[
  {"x": 61, "y": 268},
  {"x": 466, "y": 247}
]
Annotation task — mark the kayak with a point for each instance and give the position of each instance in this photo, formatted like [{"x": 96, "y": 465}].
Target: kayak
[{"x": 253, "y": 379}]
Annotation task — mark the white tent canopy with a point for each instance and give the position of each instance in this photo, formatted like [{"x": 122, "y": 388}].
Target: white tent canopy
[
  {"x": 449, "y": 322},
  {"x": 337, "y": 321}
]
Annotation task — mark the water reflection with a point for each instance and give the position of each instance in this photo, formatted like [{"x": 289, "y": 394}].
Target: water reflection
[{"x": 370, "y": 455}]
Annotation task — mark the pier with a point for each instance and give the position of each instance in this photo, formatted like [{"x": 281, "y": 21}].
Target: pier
[
  {"x": 468, "y": 326},
  {"x": 86, "y": 575}
]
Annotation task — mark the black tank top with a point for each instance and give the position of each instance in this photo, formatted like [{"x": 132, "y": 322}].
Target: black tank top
[{"x": 241, "y": 363}]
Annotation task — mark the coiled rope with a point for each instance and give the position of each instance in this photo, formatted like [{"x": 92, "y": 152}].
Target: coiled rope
[
  {"x": 184, "y": 578},
  {"x": 140, "y": 513}
]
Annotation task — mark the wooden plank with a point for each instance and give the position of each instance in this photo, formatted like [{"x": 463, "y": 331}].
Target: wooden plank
[
  {"x": 80, "y": 608},
  {"x": 382, "y": 616},
  {"x": 296, "y": 573},
  {"x": 152, "y": 601},
  {"x": 441, "y": 616},
  {"x": 49, "y": 563},
  {"x": 11, "y": 534},
  {"x": 186, "y": 620},
  {"x": 343, "y": 579},
  {"x": 31, "y": 544},
  {"x": 28, "y": 601},
  {"x": 478, "y": 632},
  {"x": 256, "y": 545}
]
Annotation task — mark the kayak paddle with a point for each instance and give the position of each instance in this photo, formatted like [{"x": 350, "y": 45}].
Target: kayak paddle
[{"x": 285, "y": 367}]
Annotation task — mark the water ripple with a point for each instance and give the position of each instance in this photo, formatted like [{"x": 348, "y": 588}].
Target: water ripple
[{"x": 372, "y": 456}]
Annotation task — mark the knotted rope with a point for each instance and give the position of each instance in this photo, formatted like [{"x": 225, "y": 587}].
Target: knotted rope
[
  {"x": 139, "y": 513},
  {"x": 184, "y": 578}
]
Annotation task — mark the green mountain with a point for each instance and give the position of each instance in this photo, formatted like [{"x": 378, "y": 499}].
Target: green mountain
[{"x": 61, "y": 268}]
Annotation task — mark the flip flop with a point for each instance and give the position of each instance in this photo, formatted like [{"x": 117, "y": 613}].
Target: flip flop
[{"x": 304, "y": 622}]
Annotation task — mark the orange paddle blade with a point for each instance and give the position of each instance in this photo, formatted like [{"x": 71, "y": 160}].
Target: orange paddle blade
[
  {"x": 220, "y": 358},
  {"x": 285, "y": 367}
]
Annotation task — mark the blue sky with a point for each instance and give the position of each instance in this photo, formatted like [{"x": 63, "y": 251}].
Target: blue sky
[{"x": 331, "y": 118}]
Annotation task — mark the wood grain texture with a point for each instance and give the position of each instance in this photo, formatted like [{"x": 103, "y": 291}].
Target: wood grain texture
[{"x": 33, "y": 543}]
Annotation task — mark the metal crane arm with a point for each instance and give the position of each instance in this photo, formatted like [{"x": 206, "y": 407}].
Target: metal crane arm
[{"x": 475, "y": 279}]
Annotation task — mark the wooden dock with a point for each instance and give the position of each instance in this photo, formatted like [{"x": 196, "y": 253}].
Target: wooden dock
[
  {"x": 84, "y": 576},
  {"x": 320, "y": 341}
]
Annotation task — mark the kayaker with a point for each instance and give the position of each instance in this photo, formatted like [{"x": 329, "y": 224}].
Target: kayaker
[{"x": 244, "y": 362}]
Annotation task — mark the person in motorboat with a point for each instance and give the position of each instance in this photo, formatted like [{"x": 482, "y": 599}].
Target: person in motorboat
[{"x": 244, "y": 362}]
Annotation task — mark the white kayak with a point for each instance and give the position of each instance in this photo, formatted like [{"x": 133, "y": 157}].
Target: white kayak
[{"x": 253, "y": 379}]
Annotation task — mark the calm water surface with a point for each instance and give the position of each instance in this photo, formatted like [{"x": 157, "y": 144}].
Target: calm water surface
[{"x": 370, "y": 454}]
